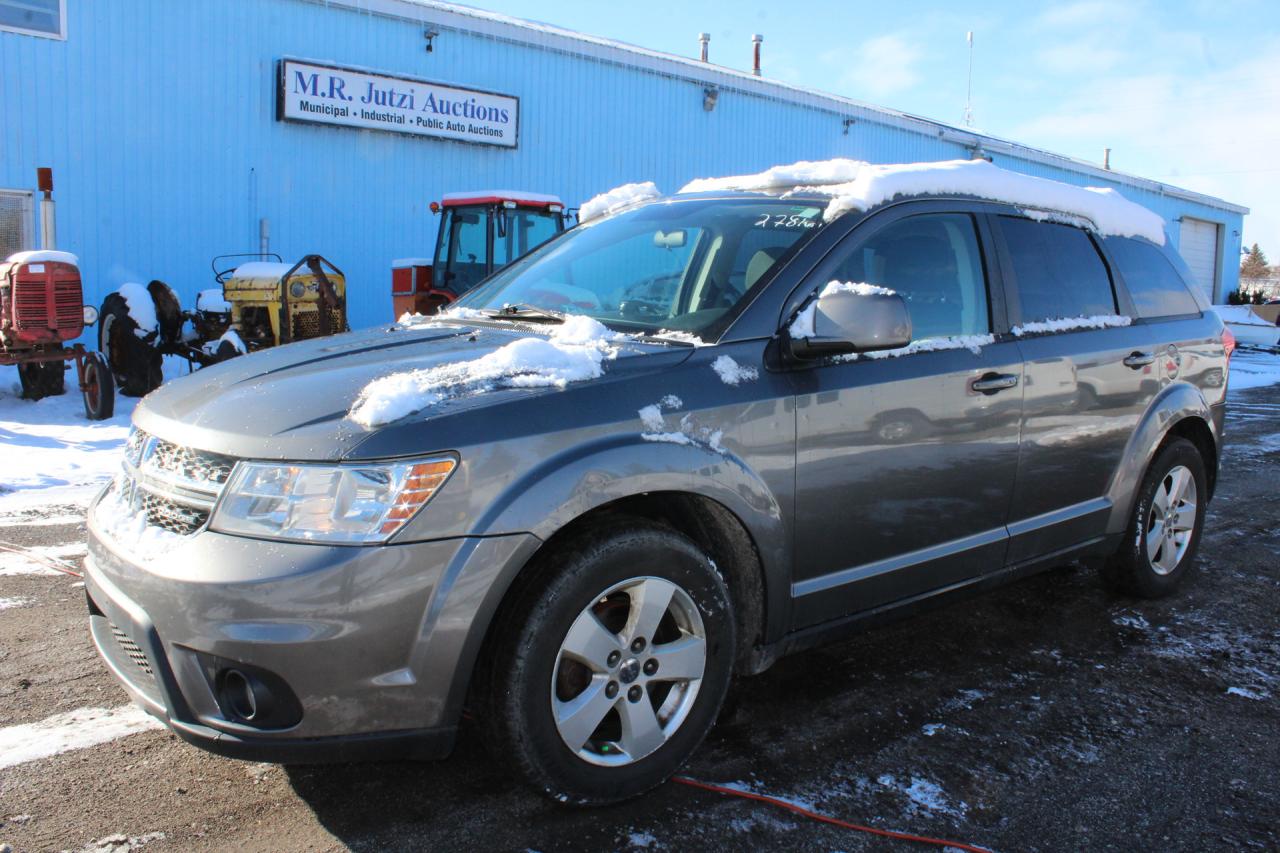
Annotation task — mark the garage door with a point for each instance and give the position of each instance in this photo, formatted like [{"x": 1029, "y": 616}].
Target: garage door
[{"x": 1198, "y": 243}]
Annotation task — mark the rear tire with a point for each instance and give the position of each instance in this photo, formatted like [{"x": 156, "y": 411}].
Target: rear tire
[
  {"x": 573, "y": 693},
  {"x": 135, "y": 364},
  {"x": 1163, "y": 534},
  {"x": 100, "y": 388}
]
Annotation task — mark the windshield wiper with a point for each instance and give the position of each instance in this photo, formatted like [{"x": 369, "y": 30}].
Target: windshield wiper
[{"x": 525, "y": 311}]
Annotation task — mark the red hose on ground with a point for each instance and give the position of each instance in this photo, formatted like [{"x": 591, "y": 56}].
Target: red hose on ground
[
  {"x": 800, "y": 810},
  {"x": 47, "y": 562}
]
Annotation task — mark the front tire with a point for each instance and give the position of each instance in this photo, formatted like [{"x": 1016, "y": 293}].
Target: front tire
[
  {"x": 99, "y": 388},
  {"x": 612, "y": 664},
  {"x": 1163, "y": 534},
  {"x": 135, "y": 364}
]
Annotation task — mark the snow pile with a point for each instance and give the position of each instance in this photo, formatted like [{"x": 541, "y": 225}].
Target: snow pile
[
  {"x": 802, "y": 325},
  {"x": 128, "y": 526},
  {"x": 1071, "y": 324},
  {"x": 574, "y": 352},
  {"x": 141, "y": 308},
  {"x": 36, "y": 256},
  {"x": 655, "y": 424},
  {"x": 866, "y": 185},
  {"x": 212, "y": 300},
  {"x": 806, "y": 173},
  {"x": 77, "y": 729},
  {"x": 616, "y": 199},
  {"x": 678, "y": 337},
  {"x": 732, "y": 373}
]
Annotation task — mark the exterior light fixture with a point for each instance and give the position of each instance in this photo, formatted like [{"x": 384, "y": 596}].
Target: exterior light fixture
[
  {"x": 430, "y": 36},
  {"x": 848, "y": 123},
  {"x": 709, "y": 97}
]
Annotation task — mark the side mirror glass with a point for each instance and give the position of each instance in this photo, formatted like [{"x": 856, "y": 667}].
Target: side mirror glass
[{"x": 848, "y": 319}]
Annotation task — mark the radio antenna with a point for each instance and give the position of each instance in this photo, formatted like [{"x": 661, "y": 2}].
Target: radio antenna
[{"x": 968, "y": 95}]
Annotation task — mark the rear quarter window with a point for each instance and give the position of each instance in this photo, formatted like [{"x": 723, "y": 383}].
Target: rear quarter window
[
  {"x": 1155, "y": 286},
  {"x": 1058, "y": 271}
]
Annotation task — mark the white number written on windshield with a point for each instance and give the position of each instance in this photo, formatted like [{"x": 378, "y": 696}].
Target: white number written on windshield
[{"x": 784, "y": 220}]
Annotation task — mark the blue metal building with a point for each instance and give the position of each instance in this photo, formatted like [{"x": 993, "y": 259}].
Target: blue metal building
[{"x": 162, "y": 121}]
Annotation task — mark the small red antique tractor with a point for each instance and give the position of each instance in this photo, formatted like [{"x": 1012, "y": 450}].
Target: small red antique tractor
[
  {"x": 480, "y": 232},
  {"x": 41, "y": 310}
]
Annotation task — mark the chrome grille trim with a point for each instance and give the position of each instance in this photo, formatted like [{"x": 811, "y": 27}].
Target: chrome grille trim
[{"x": 175, "y": 486}]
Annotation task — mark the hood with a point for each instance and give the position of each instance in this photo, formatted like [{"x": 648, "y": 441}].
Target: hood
[{"x": 293, "y": 402}]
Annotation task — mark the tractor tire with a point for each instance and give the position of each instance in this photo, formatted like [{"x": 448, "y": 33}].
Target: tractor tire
[
  {"x": 42, "y": 379},
  {"x": 135, "y": 364},
  {"x": 99, "y": 388}
]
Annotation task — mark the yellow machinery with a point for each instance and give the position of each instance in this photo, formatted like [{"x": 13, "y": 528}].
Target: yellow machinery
[{"x": 274, "y": 303}]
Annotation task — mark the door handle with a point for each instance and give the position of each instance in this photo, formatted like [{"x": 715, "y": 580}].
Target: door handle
[
  {"x": 1139, "y": 359},
  {"x": 994, "y": 382}
]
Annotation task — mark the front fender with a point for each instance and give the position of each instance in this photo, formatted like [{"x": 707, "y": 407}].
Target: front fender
[{"x": 1175, "y": 402}]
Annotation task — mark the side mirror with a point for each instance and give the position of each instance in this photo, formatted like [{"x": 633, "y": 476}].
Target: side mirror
[{"x": 846, "y": 319}]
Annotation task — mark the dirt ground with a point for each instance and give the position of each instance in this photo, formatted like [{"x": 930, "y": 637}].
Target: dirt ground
[{"x": 1048, "y": 715}]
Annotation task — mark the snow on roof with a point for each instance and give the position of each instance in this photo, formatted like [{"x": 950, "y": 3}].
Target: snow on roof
[
  {"x": 616, "y": 199},
  {"x": 261, "y": 269},
  {"x": 36, "y": 256},
  {"x": 855, "y": 185},
  {"x": 518, "y": 196}
]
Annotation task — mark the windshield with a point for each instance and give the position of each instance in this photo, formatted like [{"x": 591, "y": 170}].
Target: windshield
[{"x": 681, "y": 266}]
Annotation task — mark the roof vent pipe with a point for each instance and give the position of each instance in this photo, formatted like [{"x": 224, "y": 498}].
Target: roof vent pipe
[
  {"x": 755, "y": 53},
  {"x": 704, "y": 39},
  {"x": 1106, "y": 159}
]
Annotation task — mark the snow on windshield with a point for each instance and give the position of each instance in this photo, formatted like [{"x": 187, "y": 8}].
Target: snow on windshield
[
  {"x": 575, "y": 351},
  {"x": 616, "y": 199},
  {"x": 854, "y": 185}
]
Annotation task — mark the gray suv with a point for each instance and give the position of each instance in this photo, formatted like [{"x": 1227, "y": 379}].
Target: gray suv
[{"x": 670, "y": 445}]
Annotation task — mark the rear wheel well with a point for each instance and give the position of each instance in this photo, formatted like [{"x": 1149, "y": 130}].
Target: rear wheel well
[
  {"x": 1196, "y": 431},
  {"x": 712, "y": 527}
]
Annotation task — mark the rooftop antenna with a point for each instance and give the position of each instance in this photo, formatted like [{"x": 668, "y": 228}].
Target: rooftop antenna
[{"x": 968, "y": 95}]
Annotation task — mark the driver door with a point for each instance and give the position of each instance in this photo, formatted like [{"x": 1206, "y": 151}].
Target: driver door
[{"x": 904, "y": 470}]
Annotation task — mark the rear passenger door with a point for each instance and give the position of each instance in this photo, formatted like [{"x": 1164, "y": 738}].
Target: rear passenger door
[
  {"x": 1089, "y": 375},
  {"x": 904, "y": 470}
]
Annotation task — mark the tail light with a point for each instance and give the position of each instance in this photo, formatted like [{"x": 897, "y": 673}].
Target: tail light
[{"x": 1228, "y": 343}]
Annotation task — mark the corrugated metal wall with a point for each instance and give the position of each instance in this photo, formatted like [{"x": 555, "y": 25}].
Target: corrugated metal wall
[{"x": 158, "y": 118}]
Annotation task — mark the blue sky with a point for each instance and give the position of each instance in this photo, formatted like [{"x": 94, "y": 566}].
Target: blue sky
[{"x": 1187, "y": 91}]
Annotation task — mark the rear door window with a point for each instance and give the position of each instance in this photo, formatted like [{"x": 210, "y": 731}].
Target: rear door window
[
  {"x": 1156, "y": 287},
  {"x": 934, "y": 263},
  {"x": 1057, "y": 270}
]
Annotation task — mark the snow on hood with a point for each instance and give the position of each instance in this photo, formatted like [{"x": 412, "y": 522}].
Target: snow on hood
[
  {"x": 855, "y": 185},
  {"x": 616, "y": 199},
  {"x": 574, "y": 352}
]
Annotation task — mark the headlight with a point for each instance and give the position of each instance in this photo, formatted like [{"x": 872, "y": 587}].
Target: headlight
[
  {"x": 90, "y": 315},
  {"x": 354, "y": 504}
]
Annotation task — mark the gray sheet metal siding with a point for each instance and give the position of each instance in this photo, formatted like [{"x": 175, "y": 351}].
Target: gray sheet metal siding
[{"x": 159, "y": 121}]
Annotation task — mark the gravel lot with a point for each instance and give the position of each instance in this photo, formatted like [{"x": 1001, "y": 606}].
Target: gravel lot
[{"x": 1048, "y": 715}]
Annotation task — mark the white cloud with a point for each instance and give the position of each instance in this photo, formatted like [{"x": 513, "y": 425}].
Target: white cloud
[{"x": 880, "y": 66}]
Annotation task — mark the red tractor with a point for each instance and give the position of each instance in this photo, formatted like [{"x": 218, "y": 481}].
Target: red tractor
[
  {"x": 42, "y": 309},
  {"x": 480, "y": 232}
]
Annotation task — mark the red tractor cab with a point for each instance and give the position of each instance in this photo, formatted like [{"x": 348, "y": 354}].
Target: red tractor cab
[{"x": 480, "y": 232}]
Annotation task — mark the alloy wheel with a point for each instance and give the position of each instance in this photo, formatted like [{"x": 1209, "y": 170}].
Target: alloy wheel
[{"x": 1171, "y": 521}]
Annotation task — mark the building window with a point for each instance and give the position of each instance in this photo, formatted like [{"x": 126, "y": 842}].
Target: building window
[
  {"x": 16, "y": 224},
  {"x": 35, "y": 17}
]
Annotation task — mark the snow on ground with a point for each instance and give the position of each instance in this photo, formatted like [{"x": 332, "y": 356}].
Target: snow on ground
[
  {"x": 854, "y": 185},
  {"x": 51, "y": 455},
  {"x": 1069, "y": 324},
  {"x": 35, "y": 559},
  {"x": 7, "y": 603},
  {"x": 1252, "y": 369},
  {"x": 575, "y": 351},
  {"x": 925, "y": 794},
  {"x": 732, "y": 373},
  {"x": 616, "y": 199},
  {"x": 120, "y": 843},
  {"x": 78, "y": 729}
]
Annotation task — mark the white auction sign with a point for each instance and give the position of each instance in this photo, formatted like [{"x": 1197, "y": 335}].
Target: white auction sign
[{"x": 348, "y": 97}]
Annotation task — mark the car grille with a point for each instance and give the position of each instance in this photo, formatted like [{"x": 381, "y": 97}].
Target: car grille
[
  {"x": 175, "y": 487},
  {"x": 132, "y": 650}
]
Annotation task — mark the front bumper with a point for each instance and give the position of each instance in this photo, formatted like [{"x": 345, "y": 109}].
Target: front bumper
[{"x": 375, "y": 643}]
